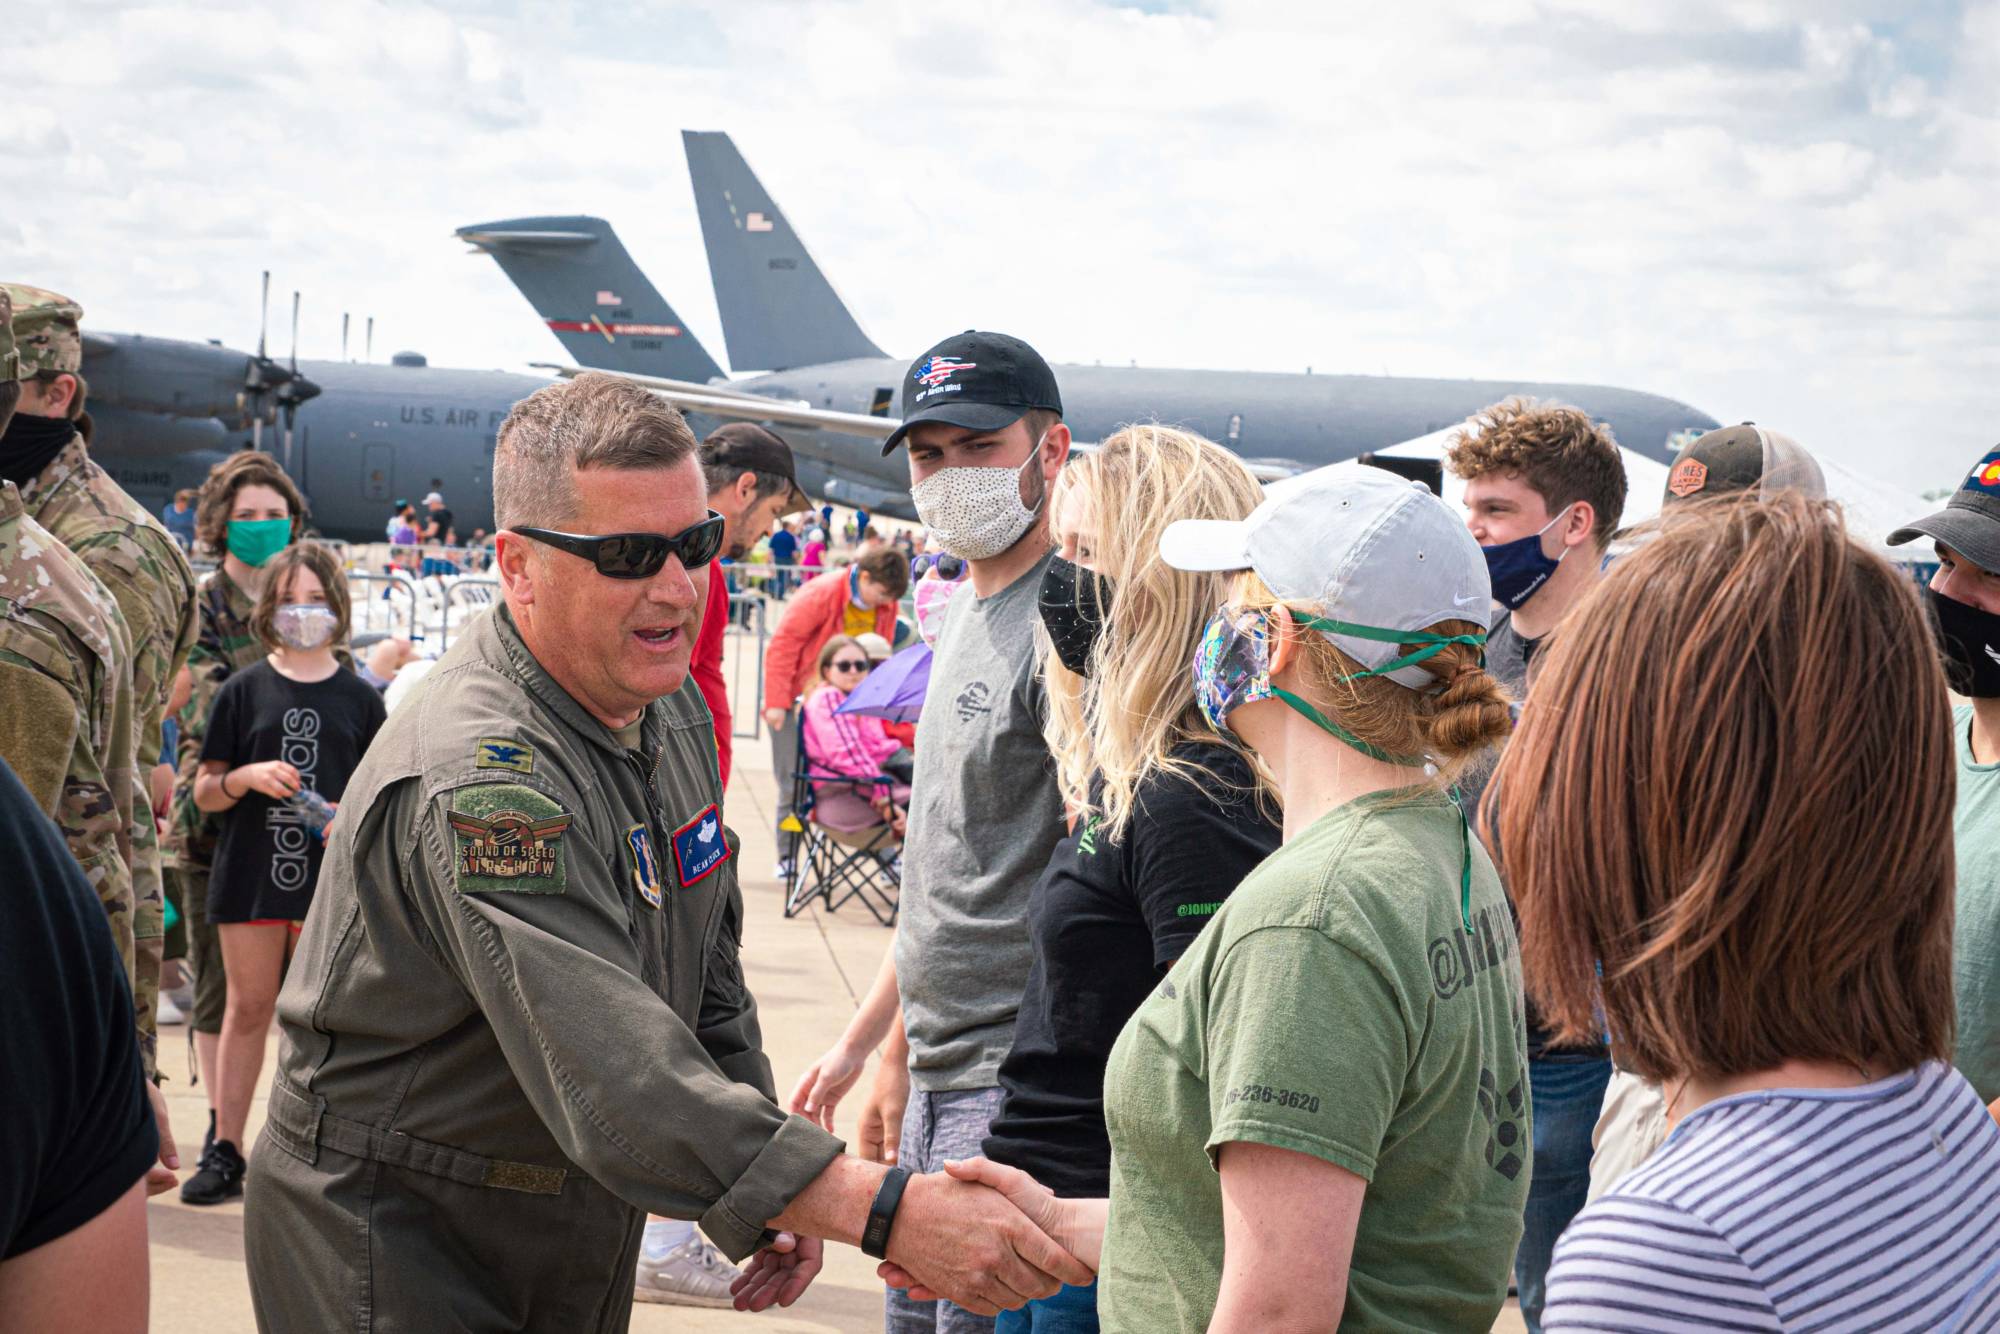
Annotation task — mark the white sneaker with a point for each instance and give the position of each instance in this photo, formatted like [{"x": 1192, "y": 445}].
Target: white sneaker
[
  {"x": 691, "y": 1274},
  {"x": 170, "y": 1013},
  {"x": 783, "y": 870}
]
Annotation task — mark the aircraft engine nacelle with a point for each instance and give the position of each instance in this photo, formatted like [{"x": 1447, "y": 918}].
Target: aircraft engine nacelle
[{"x": 167, "y": 376}]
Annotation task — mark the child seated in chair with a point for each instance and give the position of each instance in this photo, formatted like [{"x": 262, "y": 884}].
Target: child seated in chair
[{"x": 849, "y": 743}]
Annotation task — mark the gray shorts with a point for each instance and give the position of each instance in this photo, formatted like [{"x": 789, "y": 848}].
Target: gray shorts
[{"x": 937, "y": 1126}]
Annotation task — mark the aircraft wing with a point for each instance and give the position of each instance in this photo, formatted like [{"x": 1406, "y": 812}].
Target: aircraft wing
[
  {"x": 739, "y": 405},
  {"x": 736, "y": 405}
]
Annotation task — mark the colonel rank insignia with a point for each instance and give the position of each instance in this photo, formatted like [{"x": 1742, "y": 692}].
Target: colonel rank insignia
[{"x": 507, "y": 838}]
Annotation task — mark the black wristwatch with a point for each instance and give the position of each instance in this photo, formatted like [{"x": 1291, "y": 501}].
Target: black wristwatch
[{"x": 882, "y": 1213}]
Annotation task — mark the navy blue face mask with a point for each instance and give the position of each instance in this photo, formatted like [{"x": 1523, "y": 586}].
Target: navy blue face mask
[{"x": 1518, "y": 569}]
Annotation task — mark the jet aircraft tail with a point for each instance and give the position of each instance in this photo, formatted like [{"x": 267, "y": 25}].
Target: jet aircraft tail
[
  {"x": 577, "y": 276},
  {"x": 778, "y": 309}
]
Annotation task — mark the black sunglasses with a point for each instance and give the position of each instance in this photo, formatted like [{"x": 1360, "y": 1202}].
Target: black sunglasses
[
  {"x": 638, "y": 555},
  {"x": 949, "y": 567},
  {"x": 849, "y": 666}
]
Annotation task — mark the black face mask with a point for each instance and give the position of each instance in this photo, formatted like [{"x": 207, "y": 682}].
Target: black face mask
[
  {"x": 1074, "y": 606},
  {"x": 1970, "y": 641},
  {"x": 29, "y": 443}
]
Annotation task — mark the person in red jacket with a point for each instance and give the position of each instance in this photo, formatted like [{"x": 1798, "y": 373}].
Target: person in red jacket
[
  {"x": 751, "y": 484},
  {"x": 856, "y": 599}
]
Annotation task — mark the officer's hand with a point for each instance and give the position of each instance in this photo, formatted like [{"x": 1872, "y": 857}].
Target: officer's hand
[
  {"x": 966, "y": 1243},
  {"x": 274, "y": 778},
  {"x": 826, "y": 1082},
  {"x": 881, "y": 1128},
  {"x": 162, "y": 1177},
  {"x": 780, "y": 1273},
  {"x": 1075, "y": 1225},
  {"x": 775, "y": 718}
]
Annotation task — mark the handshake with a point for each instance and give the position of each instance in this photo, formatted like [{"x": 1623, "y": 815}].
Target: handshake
[{"x": 982, "y": 1235}]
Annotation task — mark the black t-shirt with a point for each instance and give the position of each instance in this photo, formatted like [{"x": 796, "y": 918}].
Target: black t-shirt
[
  {"x": 444, "y": 533},
  {"x": 1107, "y": 921},
  {"x": 76, "y": 1129},
  {"x": 267, "y": 859}
]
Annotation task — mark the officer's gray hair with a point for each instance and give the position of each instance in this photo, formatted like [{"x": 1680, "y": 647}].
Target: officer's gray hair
[{"x": 593, "y": 421}]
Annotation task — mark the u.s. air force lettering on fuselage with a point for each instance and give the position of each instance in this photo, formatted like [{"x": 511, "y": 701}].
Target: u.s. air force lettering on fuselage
[{"x": 472, "y": 415}]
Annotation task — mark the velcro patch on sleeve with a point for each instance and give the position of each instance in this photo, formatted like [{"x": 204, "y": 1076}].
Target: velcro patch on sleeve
[
  {"x": 494, "y": 753},
  {"x": 507, "y": 838}
]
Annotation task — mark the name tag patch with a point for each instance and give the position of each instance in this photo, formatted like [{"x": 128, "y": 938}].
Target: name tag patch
[
  {"x": 507, "y": 839},
  {"x": 645, "y": 866},
  {"x": 699, "y": 847}
]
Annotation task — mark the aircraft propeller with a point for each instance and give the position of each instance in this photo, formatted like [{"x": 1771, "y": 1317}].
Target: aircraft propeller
[
  {"x": 295, "y": 389},
  {"x": 269, "y": 387}
]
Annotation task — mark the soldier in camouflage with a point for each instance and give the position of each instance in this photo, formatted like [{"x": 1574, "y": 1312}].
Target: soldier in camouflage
[
  {"x": 67, "y": 724},
  {"x": 135, "y": 557}
]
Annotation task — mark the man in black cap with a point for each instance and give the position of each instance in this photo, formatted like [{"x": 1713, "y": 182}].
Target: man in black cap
[
  {"x": 983, "y": 424},
  {"x": 1964, "y": 596}
]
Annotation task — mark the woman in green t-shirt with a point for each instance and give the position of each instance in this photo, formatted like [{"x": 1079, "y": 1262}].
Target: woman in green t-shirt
[{"x": 1321, "y": 1114}]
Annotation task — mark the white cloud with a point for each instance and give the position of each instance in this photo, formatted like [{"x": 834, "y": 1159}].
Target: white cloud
[{"x": 1779, "y": 211}]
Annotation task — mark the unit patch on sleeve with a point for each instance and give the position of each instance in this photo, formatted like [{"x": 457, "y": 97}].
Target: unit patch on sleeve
[
  {"x": 645, "y": 866},
  {"x": 699, "y": 847},
  {"x": 509, "y": 755},
  {"x": 507, "y": 839}
]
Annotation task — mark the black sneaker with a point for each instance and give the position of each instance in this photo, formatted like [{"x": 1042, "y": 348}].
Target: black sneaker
[{"x": 220, "y": 1176}]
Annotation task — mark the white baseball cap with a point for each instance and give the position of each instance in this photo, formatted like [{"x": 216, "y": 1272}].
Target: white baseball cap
[
  {"x": 1357, "y": 544},
  {"x": 433, "y": 499}
]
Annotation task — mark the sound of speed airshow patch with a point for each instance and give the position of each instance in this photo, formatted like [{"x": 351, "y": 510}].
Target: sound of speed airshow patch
[
  {"x": 509, "y": 755},
  {"x": 645, "y": 866},
  {"x": 699, "y": 847},
  {"x": 507, "y": 839}
]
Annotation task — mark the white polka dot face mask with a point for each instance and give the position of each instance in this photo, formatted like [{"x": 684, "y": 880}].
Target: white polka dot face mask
[{"x": 976, "y": 513}]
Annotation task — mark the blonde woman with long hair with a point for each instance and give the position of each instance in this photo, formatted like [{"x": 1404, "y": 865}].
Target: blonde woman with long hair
[{"x": 1165, "y": 812}]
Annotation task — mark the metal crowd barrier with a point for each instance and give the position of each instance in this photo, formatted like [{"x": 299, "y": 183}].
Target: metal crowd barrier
[
  {"x": 747, "y": 619},
  {"x": 369, "y": 606},
  {"x": 473, "y": 591}
]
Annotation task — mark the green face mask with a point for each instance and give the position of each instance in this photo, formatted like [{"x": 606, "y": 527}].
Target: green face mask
[{"x": 255, "y": 541}]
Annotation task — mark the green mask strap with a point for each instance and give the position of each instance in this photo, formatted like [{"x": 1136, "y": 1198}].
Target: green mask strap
[
  {"x": 1464, "y": 862},
  {"x": 1432, "y": 644},
  {"x": 1329, "y": 725}
]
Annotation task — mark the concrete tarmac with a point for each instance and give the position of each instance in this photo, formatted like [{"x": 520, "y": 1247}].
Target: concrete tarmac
[{"x": 807, "y": 973}]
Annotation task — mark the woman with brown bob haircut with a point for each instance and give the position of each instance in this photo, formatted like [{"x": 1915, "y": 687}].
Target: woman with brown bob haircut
[{"x": 1726, "y": 817}]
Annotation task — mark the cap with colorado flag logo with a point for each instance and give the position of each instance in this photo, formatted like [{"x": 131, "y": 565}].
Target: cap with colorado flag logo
[
  {"x": 980, "y": 381},
  {"x": 1969, "y": 523}
]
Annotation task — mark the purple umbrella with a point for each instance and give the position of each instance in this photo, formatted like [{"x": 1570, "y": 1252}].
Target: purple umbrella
[{"x": 896, "y": 689}]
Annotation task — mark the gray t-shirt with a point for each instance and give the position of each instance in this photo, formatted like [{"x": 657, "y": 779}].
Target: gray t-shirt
[{"x": 984, "y": 817}]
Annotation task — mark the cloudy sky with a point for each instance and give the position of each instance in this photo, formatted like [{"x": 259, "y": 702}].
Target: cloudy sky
[{"x": 1784, "y": 211}]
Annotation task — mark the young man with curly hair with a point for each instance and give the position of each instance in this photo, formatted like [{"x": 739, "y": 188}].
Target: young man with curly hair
[{"x": 1545, "y": 488}]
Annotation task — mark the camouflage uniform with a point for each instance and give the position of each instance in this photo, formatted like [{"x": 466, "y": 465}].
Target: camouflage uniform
[
  {"x": 223, "y": 646},
  {"x": 66, "y": 715},
  {"x": 142, "y": 565}
]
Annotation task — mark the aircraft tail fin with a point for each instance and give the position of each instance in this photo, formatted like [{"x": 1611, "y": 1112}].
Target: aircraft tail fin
[
  {"x": 577, "y": 276},
  {"x": 778, "y": 309}
]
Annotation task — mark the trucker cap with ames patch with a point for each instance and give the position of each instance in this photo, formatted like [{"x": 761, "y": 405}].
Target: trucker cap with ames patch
[
  {"x": 1748, "y": 457},
  {"x": 1969, "y": 523}
]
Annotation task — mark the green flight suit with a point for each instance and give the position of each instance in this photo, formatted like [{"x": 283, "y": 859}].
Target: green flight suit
[
  {"x": 516, "y": 1021},
  {"x": 142, "y": 565}
]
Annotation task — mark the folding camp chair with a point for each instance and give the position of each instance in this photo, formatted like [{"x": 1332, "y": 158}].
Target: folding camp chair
[{"x": 835, "y": 865}]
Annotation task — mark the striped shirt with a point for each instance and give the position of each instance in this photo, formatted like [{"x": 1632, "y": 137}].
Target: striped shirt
[{"x": 1871, "y": 1208}]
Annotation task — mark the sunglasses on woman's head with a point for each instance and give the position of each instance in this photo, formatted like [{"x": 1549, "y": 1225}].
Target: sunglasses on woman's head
[
  {"x": 638, "y": 555},
  {"x": 849, "y": 665}
]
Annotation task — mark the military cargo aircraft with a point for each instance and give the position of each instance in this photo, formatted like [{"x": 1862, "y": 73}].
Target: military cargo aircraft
[
  {"x": 358, "y": 436},
  {"x": 781, "y": 316}
]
